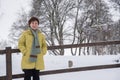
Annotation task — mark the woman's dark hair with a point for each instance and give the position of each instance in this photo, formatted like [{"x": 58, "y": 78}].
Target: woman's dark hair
[{"x": 33, "y": 19}]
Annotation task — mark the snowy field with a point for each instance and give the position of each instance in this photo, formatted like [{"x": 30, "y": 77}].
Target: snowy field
[{"x": 61, "y": 62}]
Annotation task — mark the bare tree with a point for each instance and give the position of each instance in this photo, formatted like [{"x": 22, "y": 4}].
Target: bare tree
[
  {"x": 22, "y": 21},
  {"x": 117, "y": 2},
  {"x": 115, "y": 49},
  {"x": 69, "y": 21},
  {"x": 57, "y": 14},
  {"x": 18, "y": 26},
  {"x": 95, "y": 15}
]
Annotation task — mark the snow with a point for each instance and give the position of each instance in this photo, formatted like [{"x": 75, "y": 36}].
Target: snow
[
  {"x": 55, "y": 62},
  {"x": 61, "y": 62}
]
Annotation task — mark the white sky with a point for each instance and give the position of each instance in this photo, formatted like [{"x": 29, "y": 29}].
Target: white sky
[{"x": 8, "y": 14}]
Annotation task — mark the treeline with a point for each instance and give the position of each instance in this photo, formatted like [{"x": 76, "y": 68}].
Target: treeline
[{"x": 73, "y": 22}]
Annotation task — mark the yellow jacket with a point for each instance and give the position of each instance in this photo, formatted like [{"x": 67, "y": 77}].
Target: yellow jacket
[{"x": 25, "y": 44}]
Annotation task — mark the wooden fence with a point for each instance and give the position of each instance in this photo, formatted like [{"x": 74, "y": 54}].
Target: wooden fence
[{"x": 8, "y": 51}]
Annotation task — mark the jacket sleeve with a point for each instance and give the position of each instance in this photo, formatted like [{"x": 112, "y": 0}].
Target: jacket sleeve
[
  {"x": 44, "y": 46},
  {"x": 21, "y": 44}
]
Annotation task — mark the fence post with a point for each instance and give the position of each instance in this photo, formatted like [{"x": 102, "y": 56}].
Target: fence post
[{"x": 8, "y": 63}]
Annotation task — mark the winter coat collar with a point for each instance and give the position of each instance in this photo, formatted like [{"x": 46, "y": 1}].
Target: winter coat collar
[{"x": 30, "y": 33}]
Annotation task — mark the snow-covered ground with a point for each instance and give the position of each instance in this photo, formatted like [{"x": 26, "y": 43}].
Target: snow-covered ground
[{"x": 61, "y": 62}]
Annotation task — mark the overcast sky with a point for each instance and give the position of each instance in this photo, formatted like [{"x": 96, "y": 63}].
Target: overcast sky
[{"x": 8, "y": 14}]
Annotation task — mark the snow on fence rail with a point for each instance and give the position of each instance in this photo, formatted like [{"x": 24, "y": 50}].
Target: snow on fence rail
[{"x": 8, "y": 51}]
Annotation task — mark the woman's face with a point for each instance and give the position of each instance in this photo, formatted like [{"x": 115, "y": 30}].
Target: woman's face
[{"x": 34, "y": 25}]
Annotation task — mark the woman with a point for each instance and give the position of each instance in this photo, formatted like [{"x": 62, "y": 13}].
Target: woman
[{"x": 33, "y": 47}]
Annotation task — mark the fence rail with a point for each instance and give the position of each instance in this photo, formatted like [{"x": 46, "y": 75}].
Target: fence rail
[
  {"x": 8, "y": 51},
  {"x": 50, "y": 72},
  {"x": 69, "y": 46}
]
